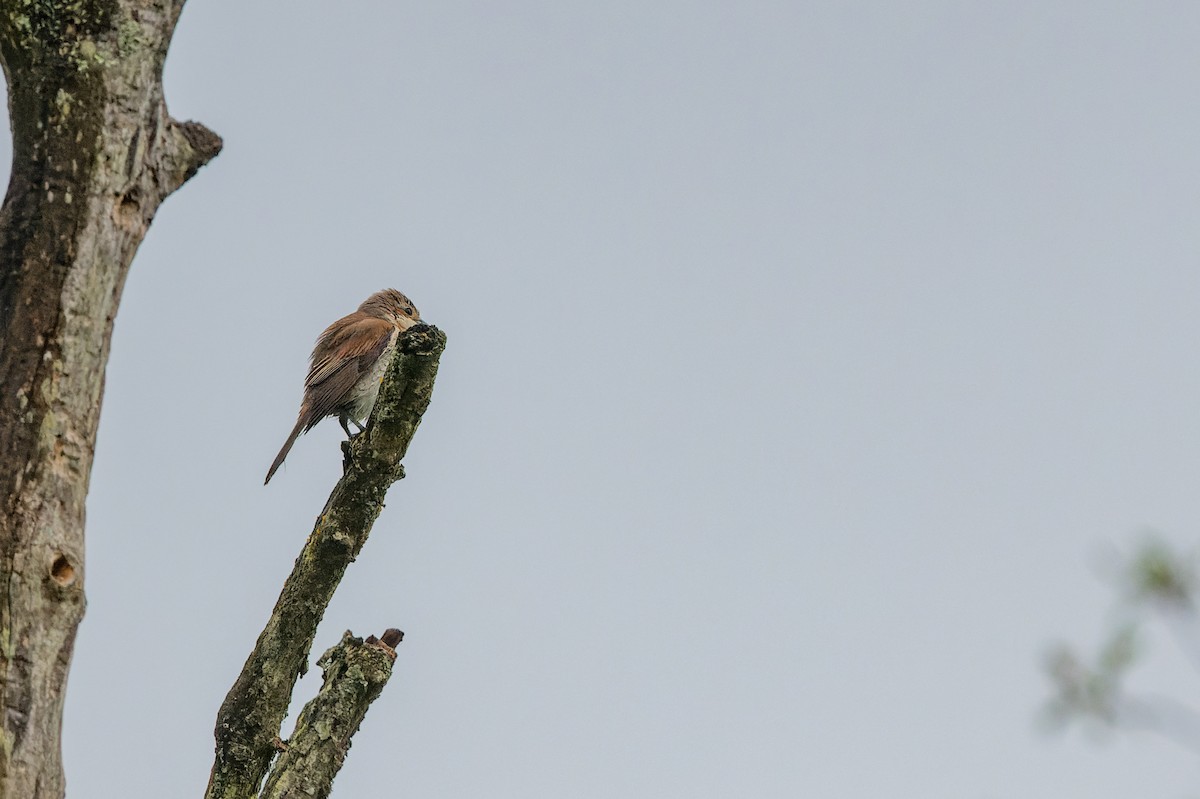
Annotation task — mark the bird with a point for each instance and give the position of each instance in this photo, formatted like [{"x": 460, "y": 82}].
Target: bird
[{"x": 348, "y": 363}]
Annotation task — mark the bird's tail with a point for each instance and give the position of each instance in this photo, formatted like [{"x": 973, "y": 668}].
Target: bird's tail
[{"x": 287, "y": 447}]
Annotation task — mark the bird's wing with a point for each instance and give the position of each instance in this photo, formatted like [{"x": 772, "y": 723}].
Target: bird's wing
[{"x": 344, "y": 353}]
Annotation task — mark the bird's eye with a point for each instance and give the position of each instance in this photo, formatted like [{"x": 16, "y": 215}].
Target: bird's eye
[{"x": 408, "y": 311}]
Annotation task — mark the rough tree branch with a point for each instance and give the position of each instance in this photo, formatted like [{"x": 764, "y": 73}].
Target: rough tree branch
[
  {"x": 355, "y": 673},
  {"x": 248, "y": 723},
  {"x": 94, "y": 154}
]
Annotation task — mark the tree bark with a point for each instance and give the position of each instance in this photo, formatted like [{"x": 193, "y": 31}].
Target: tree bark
[
  {"x": 247, "y": 731},
  {"x": 355, "y": 673},
  {"x": 94, "y": 154}
]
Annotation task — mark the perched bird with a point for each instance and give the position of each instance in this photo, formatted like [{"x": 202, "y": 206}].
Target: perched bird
[{"x": 348, "y": 363}]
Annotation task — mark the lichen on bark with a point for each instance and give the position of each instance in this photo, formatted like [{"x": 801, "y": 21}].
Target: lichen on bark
[{"x": 355, "y": 672}]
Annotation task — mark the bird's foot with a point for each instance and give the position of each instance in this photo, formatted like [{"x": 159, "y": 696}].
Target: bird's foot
[{"x": 345, "y": 422}]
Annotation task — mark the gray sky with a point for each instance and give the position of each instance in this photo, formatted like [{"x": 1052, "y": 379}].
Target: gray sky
[{"x": 801, "y": 356}]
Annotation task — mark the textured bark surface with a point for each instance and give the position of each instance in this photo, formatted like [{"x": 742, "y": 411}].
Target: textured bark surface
[
  {"x": 355, "y": 673},
  {"x": 247, "y": 731},
  {"x": 94, "y": 154}
]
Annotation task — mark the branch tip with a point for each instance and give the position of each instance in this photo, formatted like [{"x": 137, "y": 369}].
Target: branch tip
[
  {"x": 195, "y": 145},
  {"x": 204, "y": 140},
  {"x": 422, "y": 339}
]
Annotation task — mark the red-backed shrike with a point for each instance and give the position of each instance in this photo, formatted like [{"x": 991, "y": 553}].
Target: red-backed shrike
[{"x": 348, "y": 363}]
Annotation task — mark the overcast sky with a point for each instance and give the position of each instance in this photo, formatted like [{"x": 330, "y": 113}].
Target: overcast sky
[{"x": 801, "y": 357}]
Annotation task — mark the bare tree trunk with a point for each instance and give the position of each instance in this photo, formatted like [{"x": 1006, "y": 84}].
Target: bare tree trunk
[{"x": 94, "y": 154}]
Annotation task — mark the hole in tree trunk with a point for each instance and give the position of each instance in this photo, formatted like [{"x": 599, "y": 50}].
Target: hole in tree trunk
[{"x": 61, "y": 571}]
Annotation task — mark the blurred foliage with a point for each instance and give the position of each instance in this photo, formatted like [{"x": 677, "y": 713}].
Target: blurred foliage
[
  {"x": 1089, "y": 692},
  {"x": 1157, "y": 574},
  {"x": 1155, "y": 580}
]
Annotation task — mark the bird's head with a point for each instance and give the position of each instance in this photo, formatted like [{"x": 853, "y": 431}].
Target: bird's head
[{"x": 393, "y": 306}]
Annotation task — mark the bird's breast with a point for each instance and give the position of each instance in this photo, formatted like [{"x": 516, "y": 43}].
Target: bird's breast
[{"x": 366, "y": 389}]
